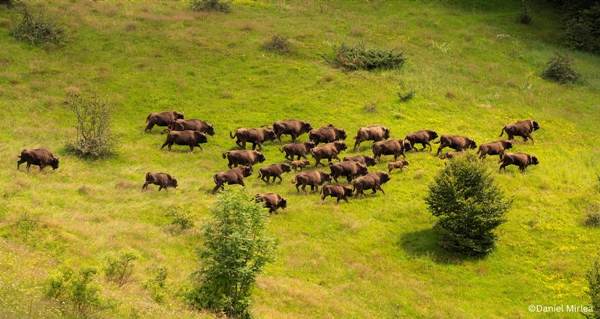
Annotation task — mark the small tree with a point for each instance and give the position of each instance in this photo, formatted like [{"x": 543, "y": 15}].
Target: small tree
[
  {"x": 469, "y": 206},
  {"x": 36, "y": 29},
  {"x": 235, "y": 250},
  {"x": 93, "y": 117},
  {"x": 74, "y": 291},
  {"x": 119, "y": 269},
  {"x": 593, "y": 278},
  {"x": 560, "y": 69}
]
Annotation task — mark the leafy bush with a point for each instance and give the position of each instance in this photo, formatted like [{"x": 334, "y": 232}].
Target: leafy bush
[
  {"x": 370, "y": 107},
  {"x": 593, "y": 279},
  {"x": 156, "y": 284},
  {"x": 405, "y": 97},
  {"x": 93, "y": 117},
  {"x": 278, "y": 44},
  {"x": 593, "y": 219},
  {"x": 559, "y": 69},
  {"x": 235, "y": 250},
  {"x": 210, "y": 5},
  {"x": 524, "y": 18},
  {"x": 74, "y": 291},
  {"x": 119, "y": 269},
  {"x": 583, "y": 29},
  {"x": 469, "y": 206},
  {"x": 37, "y": 30},
  {"x": 181, "y": 219},
  {"x": 358, "y": 57}
]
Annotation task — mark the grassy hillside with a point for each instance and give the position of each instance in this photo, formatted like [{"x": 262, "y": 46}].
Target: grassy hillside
[{"x": 473, "y": 70}]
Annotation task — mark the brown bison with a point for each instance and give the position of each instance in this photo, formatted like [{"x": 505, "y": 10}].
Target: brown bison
[
  {"x": 367, "y": 160},
  {"x": 519, "y": 159},
  {"x": 493, "y": 148},
  {"x": 397, "y": 165},
  {"x": 272, "y": 201},
  {"x": 231, "y": 177},
  {"x": 338, "y": 191},
  {"x": 326, "y": 134},
  {"x": 161, "y": 119},
  {"x": 390, "y": 147},
  {"x": 453, "y": 154},
  {"x": 294, "y": 128},
  {"x": 455, "y": 142},
  {"x": 312, "y": 178},
  {"x": 373, "y": 133},
  {"x": 40, "y": 157},
  {"x": 522, "y": 128},
  {"x": 256, "y": 136},
  {"x": 163, "y": 180},
  {"x": 189, "y": 138},
  {"x": 348, "y": 169},
  {"x": 328, "y": 151},
  {"x": 422, "y": 137},
  {"x": 371, "y": 181},
  {"x": 297, "y": 149},
  {"x": 243, "y": 157},
  {"x": 299, "y": 164},
  {"x": 192, "y": 125},
  {"x": 273, "y": 170}
]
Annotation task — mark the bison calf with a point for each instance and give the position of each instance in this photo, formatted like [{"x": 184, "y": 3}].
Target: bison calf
[
  {"x": 457, "y": 143},
  {"x": 272, "y": 201},
  {"x": 243, "y": 157},
  {"x": 312, "y": 179},
  {"x": 189, "y": 138},
  {"x": 273, "y": 170},
  {"x": 40, "y": 157},
  {"x": 338, "y": 191},
  {"x": 493, "y": 148},
  {"x": 231, "y": 177},
  {"x": 519, "y": 159},
  {"x": 397, "y": 165},
  {"x": 163, "y": 180},
  {"x": 299, "y": 164},
  {"x": 522, "y": 128},
  {"x": 371, "y": 181}
]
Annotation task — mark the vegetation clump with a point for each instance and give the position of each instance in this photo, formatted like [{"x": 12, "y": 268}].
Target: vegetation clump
[
  {"x": 157, "y": 283},
  {"x": 210, "y": 5},
  {"x": 582, "y": 28},
  {"x": 559, "y": 69},
  {"x": 593, "y": 279},
  {"x": 352, "y": 58},
  {"x": 37, "y": 30},
  {"x": 74, "y": 291},
  {"x": 278, "y": 44},
  {"x": 93, "y": 116},
  {"x": 181, "y": 220},
  {"x": 405, "y": 97},
  {"x": 119, "y": 269}
]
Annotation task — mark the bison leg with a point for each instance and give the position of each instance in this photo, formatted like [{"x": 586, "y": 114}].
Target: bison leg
[
  {"x": 502, "y": 167},
  {"x": 317, "y": 162},
  {"x": 191, "y": 148},
  {"x": 217, "y": 188},
  {"x": 28, "y": 166},
  {"x": 357, "y": 144},
  {"x": 149, "y": 126},
  {"x": 160, "y": 187},
  {"x": 442, "y": 146},
  {"x": 280, "y": 179},
  {"x": 379, "y": 188},
  {"x": 145, "y": 186},
  {"x": 19, "y": 162},
  {"x": 298, "y": 187}
]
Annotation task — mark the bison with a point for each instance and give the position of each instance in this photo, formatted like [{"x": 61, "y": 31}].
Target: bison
[
  {"x": 189, "y": 138},
  {"x": 326, "y": 134},
  {"x": 367, "y": 160},
  {"x": 192, "y": 125},
  {"x": 493, "y": 148},
  {"x": 312, "y": 178},
  {"x": 338, "y": 191},
  {"x": 348, "y": 169},
  {"x": 299, "y": 164},
  {"x": 522, "y": 128},
  {"x": 256, "y": 136},
  {"x": 243, "y": 157},
  {"x": 453, "y": 154},
  {"x": 422, "y": 137},
  {"x": 390, "y": 147},
  {"x": 273, "y": 170},
  {"x": 519, "y": 159},
  {"x": 163, "y": 180},
  {"x": 455, "y": 142},
  {"x": 297, "y": 149},
  {"x": 231, "y": 177},
  {"x": 39, "y": 156},
  {"x": 328, "y": 151},
  {"x": 161, "y": 119},
  {"x": 397, "y": 165},
  {"x": 294, "y": 128},
  {"x": 373, "y": 133},
  {"x": 272, "y": 201},
  {"x": 371, "y": 181}
]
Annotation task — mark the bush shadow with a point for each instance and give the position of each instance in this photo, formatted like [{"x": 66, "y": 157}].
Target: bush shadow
[{"x": 424, "y": 243}]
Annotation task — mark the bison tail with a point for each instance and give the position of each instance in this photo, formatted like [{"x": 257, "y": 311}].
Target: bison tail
[{"x": 502, "y": 132}]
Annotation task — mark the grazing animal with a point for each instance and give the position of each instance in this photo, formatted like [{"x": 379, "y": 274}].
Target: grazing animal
[
  {"x": 297, "y": 149},
  {"x": 273, "y": 170},
  {"x": 40, "y": 157},
  {"x": 348, "y": 169},
  {"x": 326, "y": 134},
  {"x": 338, "y": 191},
  {"x": 272, "y": 201},
  {"x": 299, "y": 164},
  {"x": 452, "y": 154},
  {"x": 161, "y": 119},
  {"x": 312, "y": 178},
  {"x": 328, "y": 151},
  {"x": 294, "y": 128},
  {"x": 422, "y": 137},
  {"x": 493, "y": 148},
  {"x": 256, "y": 136},
  {"x": 390, "y": 147},
  {"x": 367, "y": 160},
  {"x": 397, "y": 165},
  {"x": 522, "y": 128},
  {"x": 371, "y": 181},
  {"x": 189, "y": 138},
  {"x": 163, "y": 180},
  {"x": 455, "y": 142},
  {"x": 373, "y": 133},
  {"x": 243, "y": 157},
  {"x": 519, "y": 159},
  {"x": 192, "y": 125},
  {"x": 231, "y": 177}
]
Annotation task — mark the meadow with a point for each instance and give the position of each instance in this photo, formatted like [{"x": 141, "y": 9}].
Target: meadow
[{"x": 472, "y": 67}]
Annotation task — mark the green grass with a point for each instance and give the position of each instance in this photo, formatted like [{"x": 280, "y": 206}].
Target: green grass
[{"x": 472, "y": 67}]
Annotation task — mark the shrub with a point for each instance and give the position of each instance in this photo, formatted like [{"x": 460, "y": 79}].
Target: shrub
[
  {"x": 469, "y": 206},
  {"x": 559, "y": 69},
  {"x": 593, "y": 279},
  {"x": 524, "y": 18},
  {"x": 210, "y": 5},
  {"x": 74, "y": 291},
  {"x": 93, "y": 117},
  {"x": 278, "y": 44},
  {"x": 26, "y": 225},
  {"x": 405, "y": 97},
  {"x": 119, "y": 269},
  {"x": 181, "y": 219},
  {"x": 592, "y": 219},
  {"x": 582, "y": 30},
  {"x": 37, "y": 30},
  {"x": 156, "y": 284},
  {"x": 358, "y": 57},
  {"x": 370, "y": 107},
  {"x": 235, "y": 250}
]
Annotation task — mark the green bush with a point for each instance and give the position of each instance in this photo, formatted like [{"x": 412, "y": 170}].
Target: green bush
[
  {"x": 75, "y": 292},
  {"x": 278, "y": 44},
  {"x": 405, "y": 97},
  {"x": 235, "y": 250},
  {"x": 469, "y": 207},
  {"x": 583, "y": 29},
  {"x": 181, "y": 219},
  {"x": 93, "y": 116},
  {"x": 593, "y": 279},
  {"x": 157, "y": 283},
  {"x": 592, "y": 219},
  {"x": 559, "y": 69},
  {"x": 119, "y": 269},
  {"x": 210, "y": 5},
  {"x": 352, "y": 58},
  {"x": 524, "y": 18},
  {"x": 37, "y": 30}
]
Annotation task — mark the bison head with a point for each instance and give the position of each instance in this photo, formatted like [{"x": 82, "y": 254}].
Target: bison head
[
  {"x": 54, "y": 163},
  {"x": 246, "y": 170},
  {"x": 386, "y": 133},
  {"x": 362, "y": 169},
  {"x": 533, "y": 160},
  {"x": 370, "y": 161},
  {"x": 306, "y": 127},
  {"x": 210, "y": 130},
  {"x": 536, "y": 126},
  {"x": 340, "y": 134},
  {"x": 406, "y": 145},
  {"x": 471, "y": 143},
  {"x": 286, "y": 167},
  {"x": 347, "y": 190},
  {"x": 259, "y": 157},
  {"x": 432, "y": 135},
  {"x": 506, "y": 144},
  {"x": 309, "y": 145},
  {"x": 200, "y": 137},
  {"x": 340, "y": 146},
  {"x": 270, "y": 134},
  {"x": 176, "y": 126},
  {"x": 177, "y": 115},
  {"x": 173, "y": 183},
  {"x": 282, "y": 203},
  {"x": 384, "y": 177},
  {"x": 325, "y": 177}
]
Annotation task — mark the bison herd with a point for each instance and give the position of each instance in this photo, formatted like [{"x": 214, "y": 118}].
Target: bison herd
[{"x": 325, "y": 143}]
